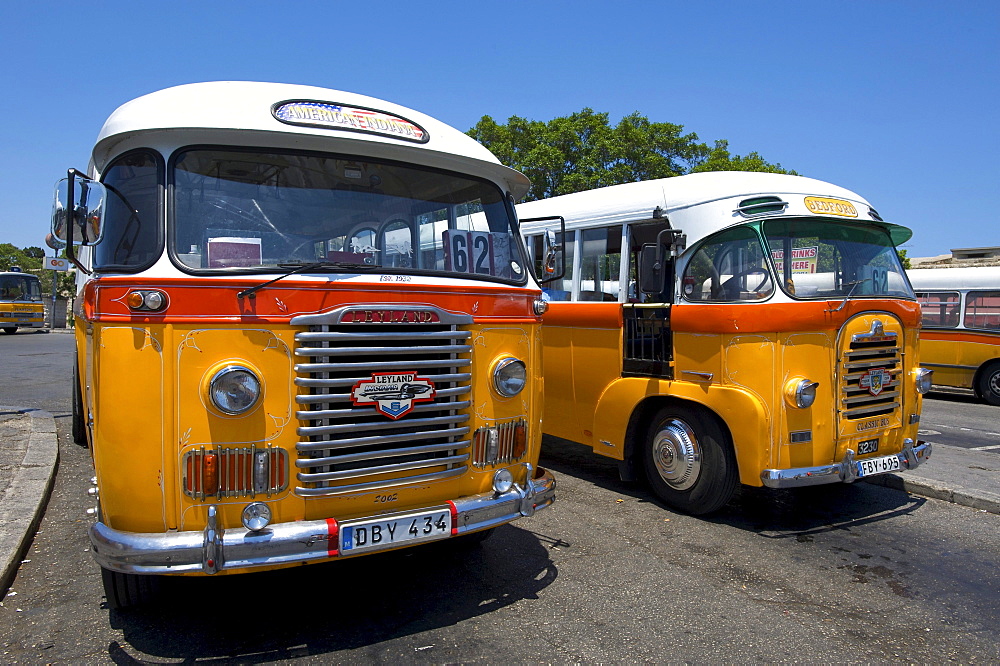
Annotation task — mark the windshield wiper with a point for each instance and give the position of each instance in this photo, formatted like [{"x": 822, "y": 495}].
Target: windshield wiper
[
  {"x": 302, "y": 268},
  {"x": 854, "y": 285}
]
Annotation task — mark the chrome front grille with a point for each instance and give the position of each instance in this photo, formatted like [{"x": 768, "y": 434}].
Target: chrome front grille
[
  {"x": 871, "y": 371},
  {"x": 346, "y": 447}
]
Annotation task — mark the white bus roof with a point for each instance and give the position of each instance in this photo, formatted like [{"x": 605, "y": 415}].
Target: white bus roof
[
  {"x": 245, "y": 113},
  {"x": 630, "y": 202},
  {"x": 965, "y": 277}
]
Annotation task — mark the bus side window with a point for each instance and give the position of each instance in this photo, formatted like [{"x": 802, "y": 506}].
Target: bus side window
[
  {"x": 939, "y": 308},
  {"x": 982, "y": 310},
  {"x": 600, "y": 264},
  {"x": 729, "y": 266}
]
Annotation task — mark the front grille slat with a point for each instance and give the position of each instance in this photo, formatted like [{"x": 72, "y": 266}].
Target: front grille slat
[
  {"x": 398, "y": 453},
  {"x": 350, "y": 382},
  {"x": 349, "y": 445},
  {"x": 324, "y": 445},
  {"x": 384, "y": 425},
  {"x": 380, "y": 366},
  {"x": 381, "y": 469}
]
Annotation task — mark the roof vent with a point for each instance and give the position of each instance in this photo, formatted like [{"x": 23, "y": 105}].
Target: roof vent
[
  {"x": 875, "y": 215},
  {"x": 761, "y": 206}
]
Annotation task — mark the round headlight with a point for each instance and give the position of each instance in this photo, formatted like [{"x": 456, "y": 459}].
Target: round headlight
[
  {"x": 922, "y": 377},
  {"x": 503, "y": 481},
  {"x": 256, "y": 516},
  {"x": 800, "y": 393},
  {"x": 510, "y": 377},
  {"x": 234, "y": 390}
]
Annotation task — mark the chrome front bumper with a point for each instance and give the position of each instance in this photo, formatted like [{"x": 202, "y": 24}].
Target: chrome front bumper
[
  {"x": 215, "y": 549},
  {"x": 845, "y": 471}
]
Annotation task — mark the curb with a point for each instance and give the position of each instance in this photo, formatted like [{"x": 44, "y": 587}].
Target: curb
[
  {"x": 24, "y": 503},
  {"x": 916, "y": 485}
]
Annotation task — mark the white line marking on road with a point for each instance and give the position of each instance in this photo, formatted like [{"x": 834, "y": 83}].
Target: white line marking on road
[{"x": 985, "y": 448}]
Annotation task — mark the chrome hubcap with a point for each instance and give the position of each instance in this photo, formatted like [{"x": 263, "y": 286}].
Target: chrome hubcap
[
  {"x": 994, "y": 383},
  {"x": 677, "y": 455}
]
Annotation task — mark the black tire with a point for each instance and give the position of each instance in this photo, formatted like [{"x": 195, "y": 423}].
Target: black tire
[
  {"x": 79, "y": 425},
  {"x": 127, "y": 590},
  {"x": 988, "y": 384},
  {"x": 689, "y": 461},
  {"x": 9, "y": 331}
]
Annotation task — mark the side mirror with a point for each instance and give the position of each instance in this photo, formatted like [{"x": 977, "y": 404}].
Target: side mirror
[
  {"x": 553, "y": 259},
  {"x": 81, "y": 200},
  {"x": 652, "y": 277}
]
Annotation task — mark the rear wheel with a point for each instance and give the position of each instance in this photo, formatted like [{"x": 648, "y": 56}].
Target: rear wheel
[
  {"x": 689, "y": 461},
  {"x": 125, "y": 590},
  {"x": 988, "y": 384}
]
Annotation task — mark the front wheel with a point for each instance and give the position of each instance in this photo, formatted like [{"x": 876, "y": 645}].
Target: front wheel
[
  {"x": 126, "y": 590},
  {"x": 988, "y": 385},
  {"x": 689, "y": 461}
]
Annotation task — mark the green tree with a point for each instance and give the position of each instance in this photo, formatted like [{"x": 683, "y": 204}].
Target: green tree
[
  {"x": 719, "y": 159},
  {"x": 583, "y": 151},
  {"x": 903, "y": 259}
]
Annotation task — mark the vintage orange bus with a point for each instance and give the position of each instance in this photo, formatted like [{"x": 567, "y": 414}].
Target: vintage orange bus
[
  {"x": 723, "y": 328},
  {"x": 307, "y": 330},
  {"x": 960, "y": 327},
  {"x": 20, "y": 301}
]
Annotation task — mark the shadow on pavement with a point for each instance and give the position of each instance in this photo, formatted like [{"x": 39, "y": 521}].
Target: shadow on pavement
[{"x": 325, "y": 608}]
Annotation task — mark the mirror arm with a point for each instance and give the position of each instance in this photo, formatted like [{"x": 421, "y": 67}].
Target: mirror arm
[{"x": 71, "y": 220}]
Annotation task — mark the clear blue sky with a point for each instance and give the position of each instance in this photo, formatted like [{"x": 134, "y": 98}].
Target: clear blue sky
[{"x": 896, "y": 100}]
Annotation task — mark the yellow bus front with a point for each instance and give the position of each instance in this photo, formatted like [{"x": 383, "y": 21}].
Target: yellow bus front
[
  {"x": 20, "y": 302},
  {"x": 308, "y": 331}
]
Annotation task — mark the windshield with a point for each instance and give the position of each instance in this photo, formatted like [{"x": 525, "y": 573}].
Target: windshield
[
  {"x": 19, "y": 288},
  {"x": 826, "y": 259},
  {"x": 256, "y": 211}
]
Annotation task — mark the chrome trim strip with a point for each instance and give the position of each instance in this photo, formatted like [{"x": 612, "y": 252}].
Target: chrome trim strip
[
  {"x": 951, "y": 366},
  {"x": 282, "y": 543},
  {"x": 844, "y": 471},
  {"x": 340, "y": 336},
  {"x": 335, "y": 317},
  {"x": 351, "y": 381}
]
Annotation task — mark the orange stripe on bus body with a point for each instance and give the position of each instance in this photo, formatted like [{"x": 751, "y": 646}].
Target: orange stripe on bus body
[
  {"x": 961, "y": 335},
  {"x": 735, "y": 318},
  {"x": 200, "y": 300}
]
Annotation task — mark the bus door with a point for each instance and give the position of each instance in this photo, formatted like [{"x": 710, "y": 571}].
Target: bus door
[{"x": 647, "y": 344}]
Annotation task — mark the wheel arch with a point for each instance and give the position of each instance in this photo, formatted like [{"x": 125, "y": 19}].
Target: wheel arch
[{"x": 626, "y": 407}]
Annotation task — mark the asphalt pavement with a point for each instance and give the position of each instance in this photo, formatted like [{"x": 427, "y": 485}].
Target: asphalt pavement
[{"x": 29, "y": 456}]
